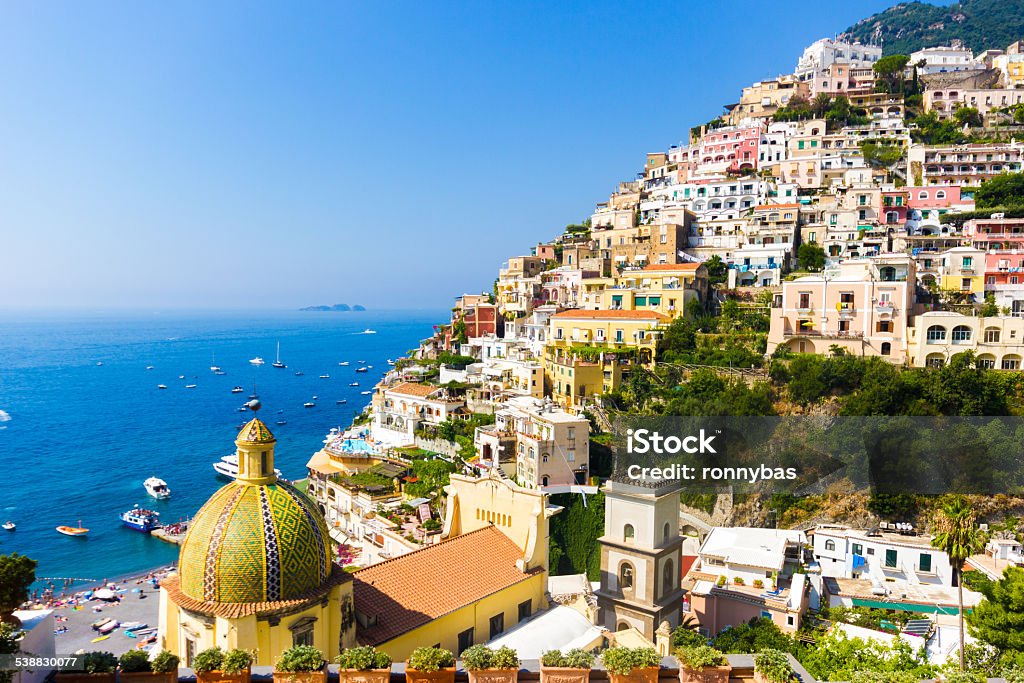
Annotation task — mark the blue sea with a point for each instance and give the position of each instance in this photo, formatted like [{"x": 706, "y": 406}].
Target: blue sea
[{"x": 84, "y": 422}]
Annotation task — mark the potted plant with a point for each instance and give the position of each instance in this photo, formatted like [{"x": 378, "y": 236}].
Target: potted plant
[
  {"x": 702, "y": 664},
  {"x": 213, "y": 665},
  {"x": 301, "y": 664},
  {"x": 135, "y": 666},
  {"x": 98, "y": 667},
  {"x": 485, "y": 665},
  {"x": 772, "y": 666},
  {"x": 363, "y": 665},
  {"x": 632, "y": 664},
  {"x": 572, "y": 666},
  {"x": 430, "y": 665}
]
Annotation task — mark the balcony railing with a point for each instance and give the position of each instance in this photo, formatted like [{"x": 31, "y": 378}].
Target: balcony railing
[{"x": 824, "y": 334}]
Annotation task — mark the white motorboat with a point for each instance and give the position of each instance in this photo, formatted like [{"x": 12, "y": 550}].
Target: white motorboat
[
  {"x": 365, "y": 368},
  {"x": 354, "y": 384},
  {"x": 161, "y": 386},
  {"x": 191, "y": 386},
  {"x": 325, "y": 376},
  {"x": 344, "y": 363},
  {"x": 227, "y": 466},
  {"x": 10, "y": 526},
  {"x": 309, "y": 404},
  {"x": 369, "y": 331},
  {"x": 256, "y": 361},
  {"x": 365, "y": 393},
  {"x": 149, "y": 367},
  {"x": 237, "y": 390},
  {"x": 157, "y": 487}
]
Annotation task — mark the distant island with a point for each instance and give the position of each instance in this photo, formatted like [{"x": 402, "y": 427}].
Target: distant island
[{"x": 335, "y": 307}]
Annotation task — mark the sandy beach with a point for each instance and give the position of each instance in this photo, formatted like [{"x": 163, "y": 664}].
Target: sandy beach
[{"x": 137, "y": 598}]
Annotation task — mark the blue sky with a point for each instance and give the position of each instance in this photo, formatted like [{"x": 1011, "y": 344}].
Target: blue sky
[{"x": 230, "y": 154}]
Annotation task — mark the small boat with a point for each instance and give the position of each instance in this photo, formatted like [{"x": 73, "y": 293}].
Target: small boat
[
  {"x": 344, "y": 363},
  {"x": 181, "y": 376},
  {"x": 73, "y": 530},
  {"x": 354, "y": 384},
  {"x": 242, "y": 409},
  {"x": 161, "y": 386},
  {"x": 134, "y": 625},
  {"x": 365, "y": 393},
  {"x": 369, "y": 331},
  {"x": 108, "y": 627},
  {"x": 308, "y": 404},
  {"x": 390, "y": 362},
  {"x": 99, "y": 363},
  {"x": 341, "y": 401},
  {"x": 300, "y": 373},
  {"x": 100, "y": 622},
  {"x": 281, "y": 422},
  {"x": 141, "y": 519},
  {"x": 99, "y": 639},
  {"x": 191, "y": 386},
  {"x": 149, "y": 367},
  {"x": 325, "y": 376},
  {"x": 361, "y": 361},
  {"x": 315, "y": 397},
  {"x": 256, "y": 361},
  {"x": 237, "y": 390},
  {"x": 157, "y": 487},
  {"x": 364, "y": 368},
  {"x": 213, "y": 363},
  {"x": 277, "y": 360},
  {"x": 10, "y": 526},
  {"x": 219, "y": 372}
]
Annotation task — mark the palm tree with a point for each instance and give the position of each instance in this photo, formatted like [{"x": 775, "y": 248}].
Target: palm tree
[{"x": 957, "y": 535}]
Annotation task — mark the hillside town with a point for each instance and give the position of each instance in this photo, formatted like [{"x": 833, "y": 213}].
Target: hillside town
[{"x": 863, "y": 208}]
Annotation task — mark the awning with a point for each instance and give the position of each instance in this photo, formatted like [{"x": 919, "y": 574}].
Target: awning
[{"x": 321, "y": 462}]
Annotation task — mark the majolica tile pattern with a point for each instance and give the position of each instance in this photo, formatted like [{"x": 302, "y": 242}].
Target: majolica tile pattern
[{"x": 254, "y": 543}]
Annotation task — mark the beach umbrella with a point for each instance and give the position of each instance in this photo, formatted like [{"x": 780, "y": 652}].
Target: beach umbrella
[{"x": 103, "y": 594}]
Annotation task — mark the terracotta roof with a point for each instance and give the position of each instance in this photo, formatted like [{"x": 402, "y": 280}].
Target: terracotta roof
[
  {"x": 580, "y": 314},
  {"x": 673, "y": 266},
  {"x": 413, "y": 389},
  {"x": 236, "y": 610},
  {"x": 408, "y": 591}
]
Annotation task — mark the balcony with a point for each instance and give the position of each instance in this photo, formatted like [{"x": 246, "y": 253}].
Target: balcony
[{"x": 824, "y": 334}]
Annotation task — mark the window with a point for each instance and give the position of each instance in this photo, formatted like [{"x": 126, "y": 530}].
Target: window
[
  {"x": 302, "y": 631},
  {"x": 936, "y": 334},
  {"x": 1011, "y": 363},
  {"x": 991, "y": 335},
  {"x": 883, "y": 326},
  {"x": 626, "y": 576},
  {"x": 497, "y": 625},
  {"x": 941, "y": 194},
  {"x": 667, "y": 532},
  {"x": 925, "y": 562},
  {"x": 805, "y": 300},
  {"x": 628, "y": 533},
  {"x": 830, "y": 544},
  {"x": 668, "y": 578},
  {"x": 525, "y": 610},
  {"x": 961, "y": 334},
  {"x": 886, "y": 348},
  {"x": 967, "y": 261},
  {"x": 858, "y": 549},
  {"x": 890, "y": 558},
  {"x": 465, "y": 639},
  {"x": 619, "y": 335}
]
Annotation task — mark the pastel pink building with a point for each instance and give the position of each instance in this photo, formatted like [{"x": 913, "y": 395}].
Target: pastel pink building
[
  {"x": 933, "y": 197},
  {"x": 729, "y": 149}
]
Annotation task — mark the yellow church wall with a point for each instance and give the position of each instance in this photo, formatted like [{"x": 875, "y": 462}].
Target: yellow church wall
[{"x": 445, "y": 630}]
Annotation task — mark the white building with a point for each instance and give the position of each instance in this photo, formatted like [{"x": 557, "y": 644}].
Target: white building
[
  {"x": 882, "y": 556},
  {"x": 943, "y": 59},
  {"x": 823, "y": 53},
  {"x": 751, "y": 555}
]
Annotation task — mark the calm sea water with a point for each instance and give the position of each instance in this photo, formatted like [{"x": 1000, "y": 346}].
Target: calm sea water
[{"x": 82, "y": 437}]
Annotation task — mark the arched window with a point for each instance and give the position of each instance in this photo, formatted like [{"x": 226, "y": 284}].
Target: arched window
[
  {"x": 830, "y": 545},
  {"x": 941, "y": 194},
  {"x": 628, "y": 533},
  {"x": 923, "y": 194},
  {"x": 544, "y": 480},
  {"x": 668, "y": 577},
  {"x": 667, "y": 532},
  {"x": 886, "y": 348},
  {"x": 991, "y": 335},
  {"x": 961, "y": 334},
  {"x": 936, "y": 334},
  {"x": 623, "y": 626},
  {"x": 626, "y": 576}
]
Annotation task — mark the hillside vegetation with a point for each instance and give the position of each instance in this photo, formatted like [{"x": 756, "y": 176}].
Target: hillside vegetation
[{"x": 980, "y": 24}]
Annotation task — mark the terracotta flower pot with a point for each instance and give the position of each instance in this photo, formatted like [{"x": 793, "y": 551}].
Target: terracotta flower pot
[
  {"x": 439, "y": 676},
  {"x": 711, "y": 674},
  {"x": 147, "y": 677},
  {"x": 221, "y": 677},
  {"x": 301, "y": 676},
  {"x": 494, "y": 676},
  {"x": 357, "y": 676},
  {"x": 82, "y": 677},
  {"x": 647, "y": 674},
  {"x": 563, "y": 674}
]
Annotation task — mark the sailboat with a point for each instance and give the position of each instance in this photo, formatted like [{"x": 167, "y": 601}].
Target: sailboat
[
  {"x": 213, "y": 363},
  {"x": 277, "y": 361}
]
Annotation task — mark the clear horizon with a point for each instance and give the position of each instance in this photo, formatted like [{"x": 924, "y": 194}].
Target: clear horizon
[{"x": 238, "y": 156}]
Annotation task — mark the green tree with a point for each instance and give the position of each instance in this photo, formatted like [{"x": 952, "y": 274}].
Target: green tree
[
  {"x": 821, "y": 104},
  {"x": 890, "y": 73},
  {"x": 573, "y": 537},
  {"x": 718, "y": 273},
  {"x": 968, "y": 116},
  {"x": 1006, "y": 190},
  {"x": 811, "y": 257},
  {"x": 999, "y": 619},
  {"x": 687, "y": 634},
  {"x": 957, "y": 535},
  {"x": 989, "y": 309},
  {"x": 17, "y": 573}
]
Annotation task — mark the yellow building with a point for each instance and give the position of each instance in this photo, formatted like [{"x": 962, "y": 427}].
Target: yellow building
[
  {"x": 255, "y": 569},
  {"x": 963, "y": 270},
  {"x": 488, "y": 575},
  {"x": 662, "y": 287}
]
